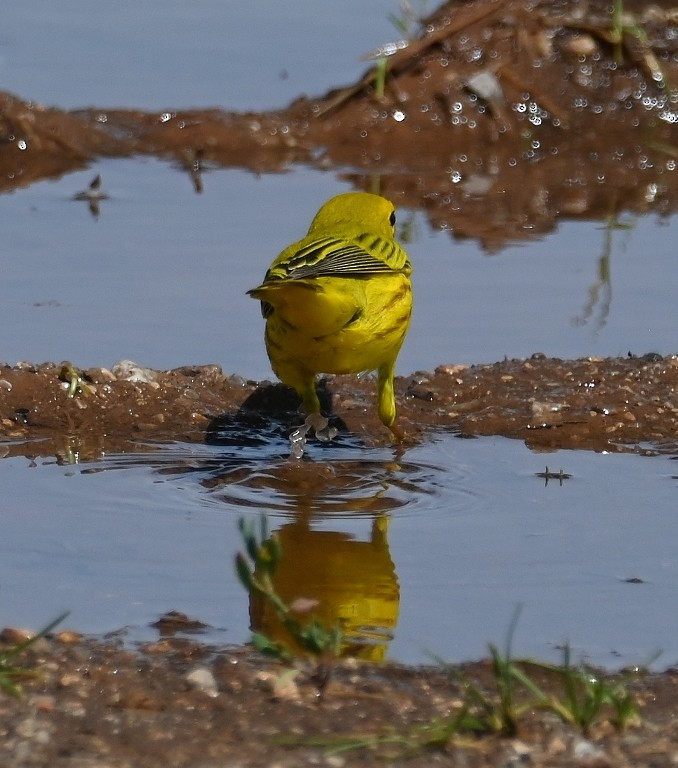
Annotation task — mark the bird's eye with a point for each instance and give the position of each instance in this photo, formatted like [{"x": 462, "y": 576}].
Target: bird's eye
[{"x": 392, "y": 219}]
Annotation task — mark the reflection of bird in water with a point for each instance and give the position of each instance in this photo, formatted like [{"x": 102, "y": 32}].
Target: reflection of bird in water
[
  {"x": 352, "y": 583},
  {"x": 349, "y": 580}
]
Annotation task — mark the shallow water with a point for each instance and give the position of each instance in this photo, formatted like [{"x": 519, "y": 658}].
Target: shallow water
[
  {"x": 451, "y": 536},
  {"x": 200, "y": 54},
  {"x": 443, "y": 543},
  {"x": 163, "y": 273}
]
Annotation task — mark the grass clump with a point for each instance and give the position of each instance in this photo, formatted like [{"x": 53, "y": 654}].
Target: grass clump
[
  {"x": 10, "y": 674},
  {"x": 587, "y": 697},
  {"x": 584, "y": 696},
  {"x": 503, "y": 705}
]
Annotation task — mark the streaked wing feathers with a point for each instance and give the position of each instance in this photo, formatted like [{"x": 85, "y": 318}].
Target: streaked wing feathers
[{"x": 333, "y": 257}]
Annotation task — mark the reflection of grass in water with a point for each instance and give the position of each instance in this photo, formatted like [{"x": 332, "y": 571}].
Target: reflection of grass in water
[
  {"x": 600, "y": 291},
  {"x": 625, "y": 32},
  {"x": 256, "y": 568},
  {"x": 409, "y": 21}
]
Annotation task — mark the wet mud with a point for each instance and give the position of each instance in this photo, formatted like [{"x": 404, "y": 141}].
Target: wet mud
[
  {"x": 615, "y": 405},
  {"x": 499, "y": 119}
]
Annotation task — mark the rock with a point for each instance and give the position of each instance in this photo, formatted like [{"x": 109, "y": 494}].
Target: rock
[
  {"x": 16, "y": 635},
  {"x": 128, "y": 370},
  {"x": 590, "y": 755},
  {"x": 202, "y": 679}
]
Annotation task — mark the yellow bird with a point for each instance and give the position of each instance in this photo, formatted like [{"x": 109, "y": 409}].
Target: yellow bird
[{"x": 339, "y": 301}]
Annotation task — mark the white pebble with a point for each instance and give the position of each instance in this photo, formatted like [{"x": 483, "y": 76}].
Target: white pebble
[{"x": 203, "y": 680}]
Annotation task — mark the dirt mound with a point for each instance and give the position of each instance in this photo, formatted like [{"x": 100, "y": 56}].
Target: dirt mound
[{"x": 606, "y": 404}]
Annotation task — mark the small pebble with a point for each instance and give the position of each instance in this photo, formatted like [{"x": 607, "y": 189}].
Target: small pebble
[
  {"x": 69, "y": 679},
  {"x": 583, "y": 45},
  {"x": 159, "y": 647},
  {"x": 283, "y": 687},
  {"x": 557, "y": 746},
  {"x": 26, "y": 365},
  {"x": 32, "y": 728},
  {"x": 128, "y": 370},
  {"x": 202, "y": 679},
  {"x": 99, "y": 375},
  {"x": 588, "y": 752},
  {"x": 44, "y": 703},
  {"x": 15, "y": 635},
  {"x": 452, "y": 369}
]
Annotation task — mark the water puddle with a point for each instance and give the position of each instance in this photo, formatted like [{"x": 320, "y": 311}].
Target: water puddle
[
  {"x": 590, "y": 296},
  {"x": 63, "y": 55},
  {"x": 429, "y": 550}
]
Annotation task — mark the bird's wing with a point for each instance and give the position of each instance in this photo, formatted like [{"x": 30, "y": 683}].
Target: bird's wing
[{"x": 336, "y": 257}]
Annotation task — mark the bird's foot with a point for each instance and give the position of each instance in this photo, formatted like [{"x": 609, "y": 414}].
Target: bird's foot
[
  {"x": 400, "y": 437},
  {"x": 314, "y": 422}
]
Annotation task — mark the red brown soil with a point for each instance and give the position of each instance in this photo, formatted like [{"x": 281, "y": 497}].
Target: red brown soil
[
  {"x": 582, "y": 126},
  {"x": 626, "y": 404}
]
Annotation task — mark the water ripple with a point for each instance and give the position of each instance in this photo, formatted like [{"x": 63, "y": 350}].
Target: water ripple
[{"x": 344, "y": 479}]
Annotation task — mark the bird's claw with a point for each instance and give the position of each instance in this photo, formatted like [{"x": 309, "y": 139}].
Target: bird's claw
[{"x": 313, "y": 422}]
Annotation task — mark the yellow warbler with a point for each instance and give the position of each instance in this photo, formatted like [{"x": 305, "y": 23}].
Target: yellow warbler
[{"x": 339, "y": 301}]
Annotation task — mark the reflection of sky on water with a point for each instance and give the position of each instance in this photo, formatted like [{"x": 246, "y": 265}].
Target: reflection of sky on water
[
  {"x": 161, "y": 273},
  {"x": 156, "y": 244},
  {"x": 455, "y": 534},
  {"x": 207, "y": 53}
]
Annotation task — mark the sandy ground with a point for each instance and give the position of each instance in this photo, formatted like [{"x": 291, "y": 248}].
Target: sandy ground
[{"x": 178, "y": 702}]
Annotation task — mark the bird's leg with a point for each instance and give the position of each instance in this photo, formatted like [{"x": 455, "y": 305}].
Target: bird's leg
[{"x": 386, "y": 404}]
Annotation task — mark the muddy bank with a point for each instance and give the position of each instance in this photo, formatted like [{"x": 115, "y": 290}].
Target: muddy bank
[
  {"x": 626, "y": 404},
  {"x": 577, "y": 101},
  {"x": 176, "y": 702}
]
